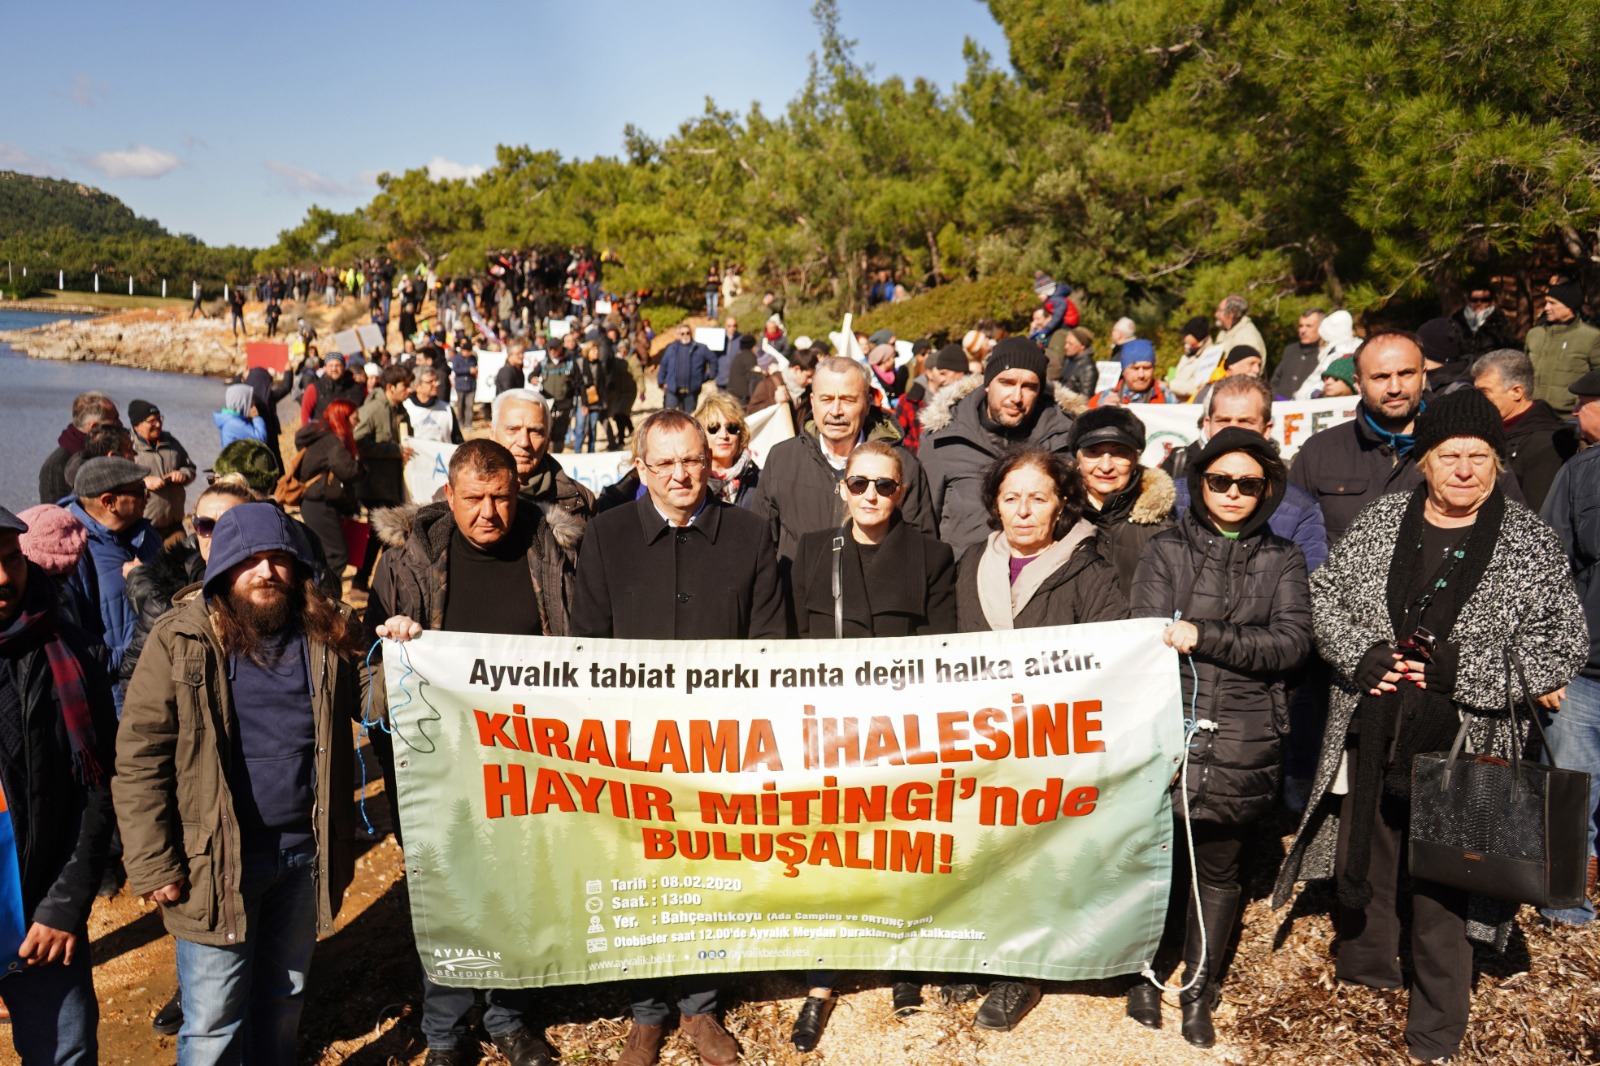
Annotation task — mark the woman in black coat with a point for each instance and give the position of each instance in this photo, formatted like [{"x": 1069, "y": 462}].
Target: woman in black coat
[
  {"x": 1241, "y": 610},
  {"x": 1040, "y": 567},
  {"x": 894, "y": 581},
  {"x": 330, "y": 467}
]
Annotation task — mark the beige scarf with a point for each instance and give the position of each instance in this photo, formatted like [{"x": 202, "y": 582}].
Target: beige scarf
[{"x": 1000, "y": 599}]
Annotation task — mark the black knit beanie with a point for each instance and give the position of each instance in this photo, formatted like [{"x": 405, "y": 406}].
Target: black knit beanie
[
  {"x": 1015, "y": 353},
  {"x": 951, "y": 357},
  {"x": 1570, "y": 295},
  {"x": 1463, "y": 413}
]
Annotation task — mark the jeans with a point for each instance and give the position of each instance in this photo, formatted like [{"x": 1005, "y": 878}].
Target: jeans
[
  {"x": 587, "y": 429},
  {"x": 54, "y": 1012},
  {"x": 711, "y": 304},
  {"x": 444, "y": 1013},
  {"x": 696, "y": 995},
  {"x": 1575, "y": 745},
  {"x": 670, "y": 400},
  {"x": 242, "y": 1003}
]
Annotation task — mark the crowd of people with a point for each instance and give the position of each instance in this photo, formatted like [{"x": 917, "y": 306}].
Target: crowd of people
[{"x": 182, "y": 693}]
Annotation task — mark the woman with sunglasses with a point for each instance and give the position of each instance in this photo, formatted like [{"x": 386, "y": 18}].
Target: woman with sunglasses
[
  {"x": 330, "y": 466},
  {"x": 877, "y": 576},
  {"x": 734, "y": 473},
  {"x": 1240, "y": 611}
]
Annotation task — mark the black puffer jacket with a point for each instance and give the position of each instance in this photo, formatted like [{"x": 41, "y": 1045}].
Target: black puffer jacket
[
  {"x": 1249, "y": 599},
  {"x": 1131, "y": 518}
]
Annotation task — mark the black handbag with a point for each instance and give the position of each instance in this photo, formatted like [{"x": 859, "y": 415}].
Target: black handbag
[{"x": 1513, "y": 830}]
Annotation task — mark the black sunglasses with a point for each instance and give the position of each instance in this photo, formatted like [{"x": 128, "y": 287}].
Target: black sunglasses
[
  {"x": 1248, "y": 486},
  {"x": 717, "y": 427},
  {"x": 857, "y": 485},
  {"x": 203, "y": 526}
]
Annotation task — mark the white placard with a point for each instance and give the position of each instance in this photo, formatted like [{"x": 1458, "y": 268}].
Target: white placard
[
  {"x": 558, "y": 329},
  {"x": 602, "y": 307},
  {"x": 489, "y": 364},
  {"x": 713, "y": 337},
  {"x": 1107, "y": 372},
  {"x": 768, "y": 427},
  {"x": 347, "y": 342},
  {"x": 903, "y": 353},
  {"x": 371, "y": 337}
]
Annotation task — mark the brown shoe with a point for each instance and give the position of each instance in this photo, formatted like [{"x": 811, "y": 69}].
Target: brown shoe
[
  {"x": 643, "y": 1046},
  {"x": 710, "y": 1039}
]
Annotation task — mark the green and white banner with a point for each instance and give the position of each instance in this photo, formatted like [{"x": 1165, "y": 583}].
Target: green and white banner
[{"x": 594, "y": 810}]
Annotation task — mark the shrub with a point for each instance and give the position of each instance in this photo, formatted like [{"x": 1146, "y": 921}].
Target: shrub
[
  {"x": 25, "y": 286},
  {"x": 946, "y": 313}
]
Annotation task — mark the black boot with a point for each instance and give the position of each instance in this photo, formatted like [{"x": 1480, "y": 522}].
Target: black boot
[
  {"x": 1144, "y": 1003},
  {"x": 1219, "y": 908}
]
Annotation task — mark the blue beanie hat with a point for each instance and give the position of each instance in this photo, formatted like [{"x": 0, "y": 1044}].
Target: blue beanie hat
[{"x": 1137, "y": 351}]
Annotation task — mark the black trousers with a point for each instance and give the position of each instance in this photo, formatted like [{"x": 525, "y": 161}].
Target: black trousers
[
  {"x": 323, "y": 521},
  {"x": 1369, "y": 940}
]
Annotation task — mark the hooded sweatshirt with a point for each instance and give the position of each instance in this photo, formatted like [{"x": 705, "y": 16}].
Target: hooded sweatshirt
[
  {"x": 232, "y": 423},
  {"x": 273, "y": 768}
]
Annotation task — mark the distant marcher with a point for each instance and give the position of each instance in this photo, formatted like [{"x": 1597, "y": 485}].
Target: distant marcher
[
  {"x": 269, "y": 390},
  {"x": 942, "y": 368},
  {"x": 1301, "y": 357},
  {"x": 1484, "y": 327},
  {"x": 686, "y": 365},
  {"x": 511, "y": 376},
  {"x": 464, "y": 377},
  {"x": 1138, "y": 382},
  {"x": 334, "y": 383},
  {"x": 170, "y": 468},
  {"x": 89, "y": 409},
  {"x": 430, "y": 416},
  {"x": 378, "y": 437},
  {"x": 330, "y": 468},
  {"x": 239, "y": 419},
  {"x": 1233, "y": 320},
  {"x": 1563, "y": 346},
  {"x": 110, "y": 504},
  {"x": 1538, "y": 441},
  {"x": 1193, "y": 368},
  {"x": 1078, "y": 371}
]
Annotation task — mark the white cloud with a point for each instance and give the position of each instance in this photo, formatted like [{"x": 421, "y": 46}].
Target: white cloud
[
  {"x": 14, "y": 158},
  {"x": 440, "y": 168},
  {"x": 299, "y": 179},
  {"x": 141, "y": 161},
  {"x": 85, "y": 91}
]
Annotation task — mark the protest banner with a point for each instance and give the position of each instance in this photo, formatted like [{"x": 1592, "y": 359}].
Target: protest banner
[
  {"x": 595, "y": 470},
  {"x": 371, "y": 337},
  {"x": 272, "y": 356},
  {"x": 1169, "y": 426},
  {"x": 713, "y": 337},
  {"x": 347, "y": 342},
  {"x": 580, "y": 810},
  {"x": 489, "y": 364},
  {"x": 429, "y": 468}
]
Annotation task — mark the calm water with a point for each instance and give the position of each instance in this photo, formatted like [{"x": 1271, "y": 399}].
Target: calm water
[{"x": 36, "y": 405}]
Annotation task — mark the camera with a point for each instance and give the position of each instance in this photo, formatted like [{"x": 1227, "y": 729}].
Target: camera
[{"x": 1419, "y": 647}]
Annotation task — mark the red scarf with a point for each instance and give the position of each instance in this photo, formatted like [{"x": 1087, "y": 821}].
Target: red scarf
[{"x": 36, "y": 622}]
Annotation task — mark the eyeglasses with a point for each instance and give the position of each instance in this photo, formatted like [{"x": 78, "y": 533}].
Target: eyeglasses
[
  {"x": 692, "y": 465},
  {"x": 1248, "y": 486},
  {"x": 886, "y": 486},
  {"x": 733, "y": 428},
  {"x": 203, "y": 526},
  {"x": 1480, "y": 299}
]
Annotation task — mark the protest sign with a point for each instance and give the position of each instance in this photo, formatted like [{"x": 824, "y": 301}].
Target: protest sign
[
  {"x": 275, "y": 357},
  {"x": 347, "y": 342},
  {"x": 559, "y": 327},
  {"x": 595, "y": 470},
  {"x": 903, "y": 353},
  {"x": 713, "y": 337},
  {"x": 580, "y": 810},
  {"x": 1107, "y": 371},
  {"x": 602, "y": 308},
  {"x": 1169, "y": 426},
  {"x": 489, "y": 364},
  {"x": 371, "y": 337},
  {"x": 768, "y": 427}
]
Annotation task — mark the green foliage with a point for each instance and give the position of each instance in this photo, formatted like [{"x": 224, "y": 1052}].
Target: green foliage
[
  {"x": 1159, "y": 155},
  {"x": 945, "y": 313},
  {"x": 24, "y": 286}
]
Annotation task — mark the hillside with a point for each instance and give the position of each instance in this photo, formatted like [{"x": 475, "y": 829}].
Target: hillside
[{"x": 31, "y": 206}]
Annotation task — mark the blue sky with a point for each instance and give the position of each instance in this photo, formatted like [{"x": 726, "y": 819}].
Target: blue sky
[{"x": 228, "y": 120}]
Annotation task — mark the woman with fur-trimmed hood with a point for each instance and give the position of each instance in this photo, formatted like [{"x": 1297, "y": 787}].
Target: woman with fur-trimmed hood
[
  {"x": 969, "y": 423},
  {"x": 1129, "y": 504}
]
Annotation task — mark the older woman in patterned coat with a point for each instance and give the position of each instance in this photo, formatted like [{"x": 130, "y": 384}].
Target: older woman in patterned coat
[{"x": 1415, "y": 611}]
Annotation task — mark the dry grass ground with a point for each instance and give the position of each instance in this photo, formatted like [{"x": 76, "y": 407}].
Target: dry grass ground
[{"x": 1538, "y": 1005}]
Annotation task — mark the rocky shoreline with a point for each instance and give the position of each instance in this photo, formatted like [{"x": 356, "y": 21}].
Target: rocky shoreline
[{"x": 147, "y": 340}]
